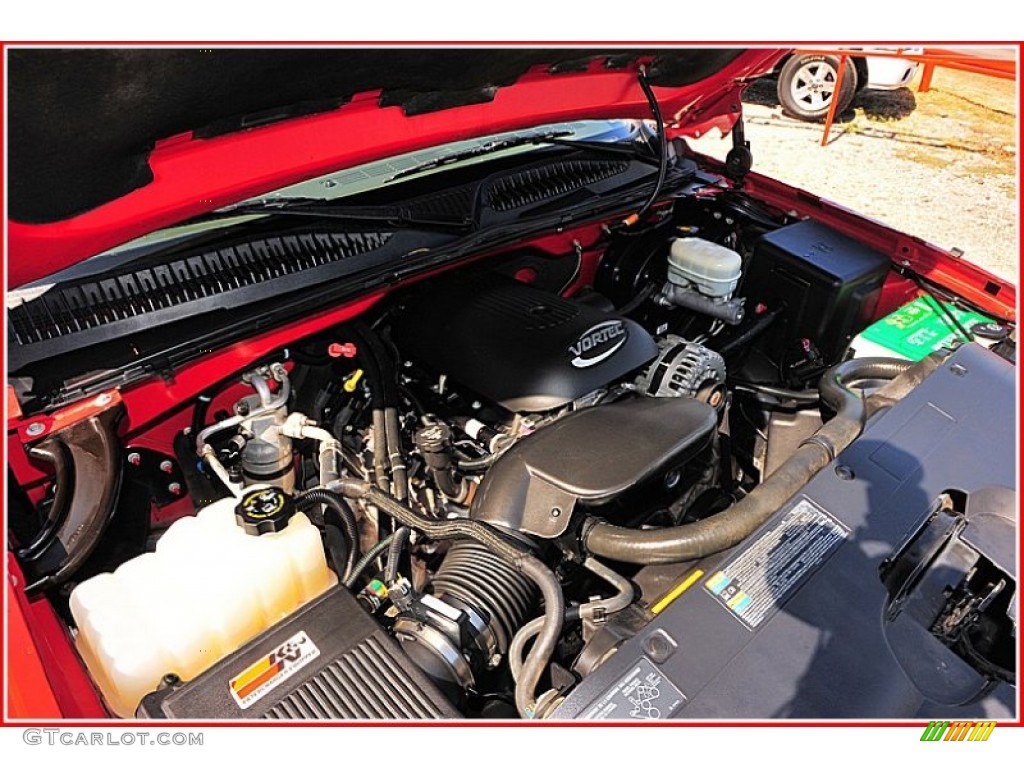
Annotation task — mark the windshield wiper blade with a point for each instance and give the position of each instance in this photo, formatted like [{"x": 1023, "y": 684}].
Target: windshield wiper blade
[
  {"x": 391, "y": 215},
  {"x": 557, "y": 138}
]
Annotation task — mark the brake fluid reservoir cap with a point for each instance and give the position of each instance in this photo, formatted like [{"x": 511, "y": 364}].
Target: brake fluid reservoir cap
[{"x": 264, "y": 510}]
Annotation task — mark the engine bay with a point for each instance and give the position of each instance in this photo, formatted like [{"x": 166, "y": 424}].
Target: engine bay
[{"x": 487, "y": 494}]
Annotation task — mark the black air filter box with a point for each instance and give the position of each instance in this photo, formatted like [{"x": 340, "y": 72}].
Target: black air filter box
[
  {"x": 329, "y": 660},
  {"x": 827, "y": 283}
]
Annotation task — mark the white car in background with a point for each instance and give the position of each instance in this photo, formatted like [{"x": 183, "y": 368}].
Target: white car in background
[{"x": 807, "y": 82}]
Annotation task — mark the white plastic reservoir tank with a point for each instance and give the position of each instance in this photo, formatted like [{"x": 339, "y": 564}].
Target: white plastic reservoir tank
[
  {"x": 208, "y": 588},
  {"x": 712, "y": 269}
]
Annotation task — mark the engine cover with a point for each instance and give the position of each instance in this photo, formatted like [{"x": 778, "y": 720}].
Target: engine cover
[
  {"x": 525, "y": 349},
  {"x": 591, "y": 457}
]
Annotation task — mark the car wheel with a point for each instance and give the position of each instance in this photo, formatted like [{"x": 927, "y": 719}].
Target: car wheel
[{"x": 807, "y": 85}]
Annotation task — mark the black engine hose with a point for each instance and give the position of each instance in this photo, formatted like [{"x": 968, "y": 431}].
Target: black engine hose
[
  {"x": 398, "y": 543},
  {"x": 780, "y": 393},
  {"x": 475, "y": 465},
  {"x": 384, "y": 393},
  {"x": 367, "y": 560},
  {"x": 524, "y": 562},
  {"x": 659, "y": 121},
  {"x": 726, "y": 529},
  {"x": 741, "y": 341},
  {"x": 366, "y": 355},
  {"x": 337, "y": 512},
  {"x": 396, "y": 459}
]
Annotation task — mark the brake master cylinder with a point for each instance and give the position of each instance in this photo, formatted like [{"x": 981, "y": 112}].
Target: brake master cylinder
[{"x": 702, "y": 277}]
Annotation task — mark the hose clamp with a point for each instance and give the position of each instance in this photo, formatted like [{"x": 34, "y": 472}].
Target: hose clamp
[{"x": 822, "y": 442}]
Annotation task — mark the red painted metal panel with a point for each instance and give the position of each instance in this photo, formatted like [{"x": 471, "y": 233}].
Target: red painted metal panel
[
  {"x": 66, "y": 679},
  {"x": 28, "y": 691}
]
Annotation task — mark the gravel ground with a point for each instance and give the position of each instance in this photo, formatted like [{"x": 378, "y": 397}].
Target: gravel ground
[{"x": 939, "y": 165}]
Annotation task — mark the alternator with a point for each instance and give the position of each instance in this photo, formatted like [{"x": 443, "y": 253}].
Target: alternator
[{"x": 685, "y": 369}]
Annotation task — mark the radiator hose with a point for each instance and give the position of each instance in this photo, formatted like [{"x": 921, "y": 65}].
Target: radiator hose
[{"x": 719, "y": 532}]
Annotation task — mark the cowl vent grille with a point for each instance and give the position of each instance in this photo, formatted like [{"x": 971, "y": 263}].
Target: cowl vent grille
[
  {"x": 549, "y": 181},
  {"x": 453, "y": 205},
  {"x": 82, "y": 305}
]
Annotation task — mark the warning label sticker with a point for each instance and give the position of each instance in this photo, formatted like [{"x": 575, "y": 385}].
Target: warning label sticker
[
  {"x": 756, "y": 583},
  {"x": 643, "y": 693},
  {"x": 259, "y": 679}
]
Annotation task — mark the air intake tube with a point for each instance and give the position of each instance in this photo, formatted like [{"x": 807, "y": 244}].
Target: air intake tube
[
  {"x": 465, "y": 626},
  {"x": 522, "y": 563},
  {"x": 475, "y": 576},
  {"x": 724, "y": 530}
]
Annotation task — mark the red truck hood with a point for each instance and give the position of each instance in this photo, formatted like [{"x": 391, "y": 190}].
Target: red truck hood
[{"x": 107, "y": 145}]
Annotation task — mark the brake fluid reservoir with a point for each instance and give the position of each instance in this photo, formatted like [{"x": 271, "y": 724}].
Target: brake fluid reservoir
[
  {"x": 712, "y": 269},
  {"x": 215, "y": 581}
]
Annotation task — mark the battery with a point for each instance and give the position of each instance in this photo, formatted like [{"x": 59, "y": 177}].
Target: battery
[{"x": 914, "y": 331}]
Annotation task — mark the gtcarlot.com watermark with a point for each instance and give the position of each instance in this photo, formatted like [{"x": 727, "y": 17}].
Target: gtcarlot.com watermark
[{"x": 65, "y": 737}]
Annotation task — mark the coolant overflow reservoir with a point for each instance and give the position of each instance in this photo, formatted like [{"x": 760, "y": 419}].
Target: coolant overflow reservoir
[
  {"x": 712, "y": 269},
  {"x": 208, "y": 588}
]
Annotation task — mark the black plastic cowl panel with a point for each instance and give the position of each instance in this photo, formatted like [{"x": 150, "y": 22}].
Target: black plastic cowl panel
[
  {"x": 549, "y": 181},
  {"x": 96, "y": 309},
  {"x": 525, "y": 349},
  {"x": 592, "y": 457}
]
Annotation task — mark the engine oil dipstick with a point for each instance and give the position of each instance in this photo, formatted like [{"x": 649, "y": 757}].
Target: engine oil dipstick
[{"x": 352, "y": 381}]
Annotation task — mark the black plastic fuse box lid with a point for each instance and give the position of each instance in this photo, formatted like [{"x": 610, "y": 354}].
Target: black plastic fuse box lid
[{"x": 828, "y": 285}]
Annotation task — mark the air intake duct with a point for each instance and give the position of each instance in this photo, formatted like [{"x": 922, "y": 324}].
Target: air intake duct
[{"x": 465, "y": 626}]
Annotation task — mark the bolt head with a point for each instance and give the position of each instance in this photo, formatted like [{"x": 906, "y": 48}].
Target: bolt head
[
  {"x": 134, "y": 459},
  {"x": 174, "y": 489},
  {"x": 36, "y": 428},
  {"x": 672, "y": 479},
  {"x": 166, "y": 466}
]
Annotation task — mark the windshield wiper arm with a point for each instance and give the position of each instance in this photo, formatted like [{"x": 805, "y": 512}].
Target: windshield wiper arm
[
  {"x": 392, "y": 215},
  {"x": 557, "y": 138}
]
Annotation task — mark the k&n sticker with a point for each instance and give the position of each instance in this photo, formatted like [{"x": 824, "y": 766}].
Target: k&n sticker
[{"x": 265, "y": 675}]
